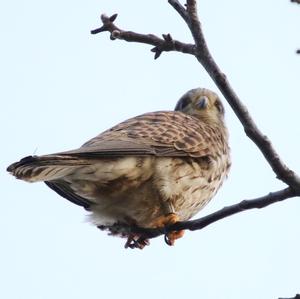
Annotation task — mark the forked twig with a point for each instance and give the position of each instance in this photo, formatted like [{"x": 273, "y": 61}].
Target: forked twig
[{"x": 165, "y": 44}]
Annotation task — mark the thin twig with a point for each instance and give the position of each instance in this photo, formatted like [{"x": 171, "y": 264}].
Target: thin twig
[
  {"x": 165, "y": 44},
  {"x": 180, "y": 9}
]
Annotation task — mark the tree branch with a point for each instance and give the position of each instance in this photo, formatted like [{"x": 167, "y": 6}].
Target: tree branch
[
  {"x": 257, "y": 203},
  {"x": 297, "y": 295},
  {"x": 165, "y": 44},
  {"x": 263, "y": 143},
  {"x": 180, "y": 9}
]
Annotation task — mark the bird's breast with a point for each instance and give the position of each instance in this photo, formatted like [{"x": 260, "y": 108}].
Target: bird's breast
[{"x": 190, "y": 183}]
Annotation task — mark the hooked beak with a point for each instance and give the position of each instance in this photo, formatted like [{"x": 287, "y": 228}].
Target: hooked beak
[{"x": 203, "y": 103}]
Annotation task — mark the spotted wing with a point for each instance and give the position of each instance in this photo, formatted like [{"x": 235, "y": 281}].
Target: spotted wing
[{"x": 166, "y": 133}]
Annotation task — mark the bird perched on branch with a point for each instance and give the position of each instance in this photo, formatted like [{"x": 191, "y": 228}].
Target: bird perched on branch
[{"x": 149, "y": 171}]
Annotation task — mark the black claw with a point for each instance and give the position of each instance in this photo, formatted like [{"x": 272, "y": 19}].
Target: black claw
[{"x": 167, "y": 240}]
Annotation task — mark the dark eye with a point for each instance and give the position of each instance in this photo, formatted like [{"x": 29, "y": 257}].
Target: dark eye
[
  {"x": 219, "y": 106},
  {"x": 182, "y": 103}
]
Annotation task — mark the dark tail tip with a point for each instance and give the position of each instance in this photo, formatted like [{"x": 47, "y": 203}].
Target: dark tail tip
[{"x": 11, "y": 168}]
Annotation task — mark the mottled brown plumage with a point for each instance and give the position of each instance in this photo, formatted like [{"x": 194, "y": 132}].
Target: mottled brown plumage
[{"x": 149, "y": 171}]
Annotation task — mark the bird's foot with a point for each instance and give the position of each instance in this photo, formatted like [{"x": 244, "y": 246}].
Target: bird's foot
[
  {"x": 167, "y": 220},
  {"x": 136, "y": 241}
]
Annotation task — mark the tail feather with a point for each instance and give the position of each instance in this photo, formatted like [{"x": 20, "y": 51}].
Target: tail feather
[{"x": 45, "y": 168}]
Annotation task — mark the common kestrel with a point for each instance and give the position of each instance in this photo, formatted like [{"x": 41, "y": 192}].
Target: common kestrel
[{"x": 148, "y": 171}]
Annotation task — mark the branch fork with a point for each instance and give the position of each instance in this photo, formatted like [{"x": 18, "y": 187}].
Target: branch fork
[{"x": 165, "y": 44}]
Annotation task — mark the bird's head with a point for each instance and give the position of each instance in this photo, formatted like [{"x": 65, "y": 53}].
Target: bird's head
[{"x": 203, "y": 104}]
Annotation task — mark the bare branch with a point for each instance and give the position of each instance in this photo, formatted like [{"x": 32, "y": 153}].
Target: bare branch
[
  {"x": 180, "y": 9},
  {"x": 200, "y": 223},
  {"x": 263, "y": 143},
  {"x": 298, "y": 295},
  {"x": 165, "y": 44}
]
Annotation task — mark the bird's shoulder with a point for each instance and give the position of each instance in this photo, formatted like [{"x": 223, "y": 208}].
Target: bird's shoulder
[
  {"x": 171, "y": 132},
  {"x": 160, "y": 124}
]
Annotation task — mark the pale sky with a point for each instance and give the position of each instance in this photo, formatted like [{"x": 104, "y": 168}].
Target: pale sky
[{"x": 61, "y": 86}]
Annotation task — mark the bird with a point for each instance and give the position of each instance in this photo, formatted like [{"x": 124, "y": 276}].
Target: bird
[{"x": 150, "y": 171}]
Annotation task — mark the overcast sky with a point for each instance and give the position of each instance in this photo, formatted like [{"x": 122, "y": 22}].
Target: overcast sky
[{"x": 61, "y": 86}]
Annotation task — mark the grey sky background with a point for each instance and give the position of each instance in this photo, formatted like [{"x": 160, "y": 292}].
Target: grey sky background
[{"x": 61, "y": 86}]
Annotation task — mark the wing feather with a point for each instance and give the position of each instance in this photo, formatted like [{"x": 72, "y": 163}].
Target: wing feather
[
  {"x": 166, "y": 133},
  {"x": 61, "y": 188}
]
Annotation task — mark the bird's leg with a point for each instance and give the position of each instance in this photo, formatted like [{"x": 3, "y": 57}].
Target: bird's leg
[
  {"x": 169, "y": 217},
  {"x": 136, "y": 241}
]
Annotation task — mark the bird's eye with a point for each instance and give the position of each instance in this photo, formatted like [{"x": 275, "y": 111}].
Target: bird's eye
[
  {"x": 182, "y": 103},
  {"x": 219, "y": 106},
  {"x": 202, "y": 103}
]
